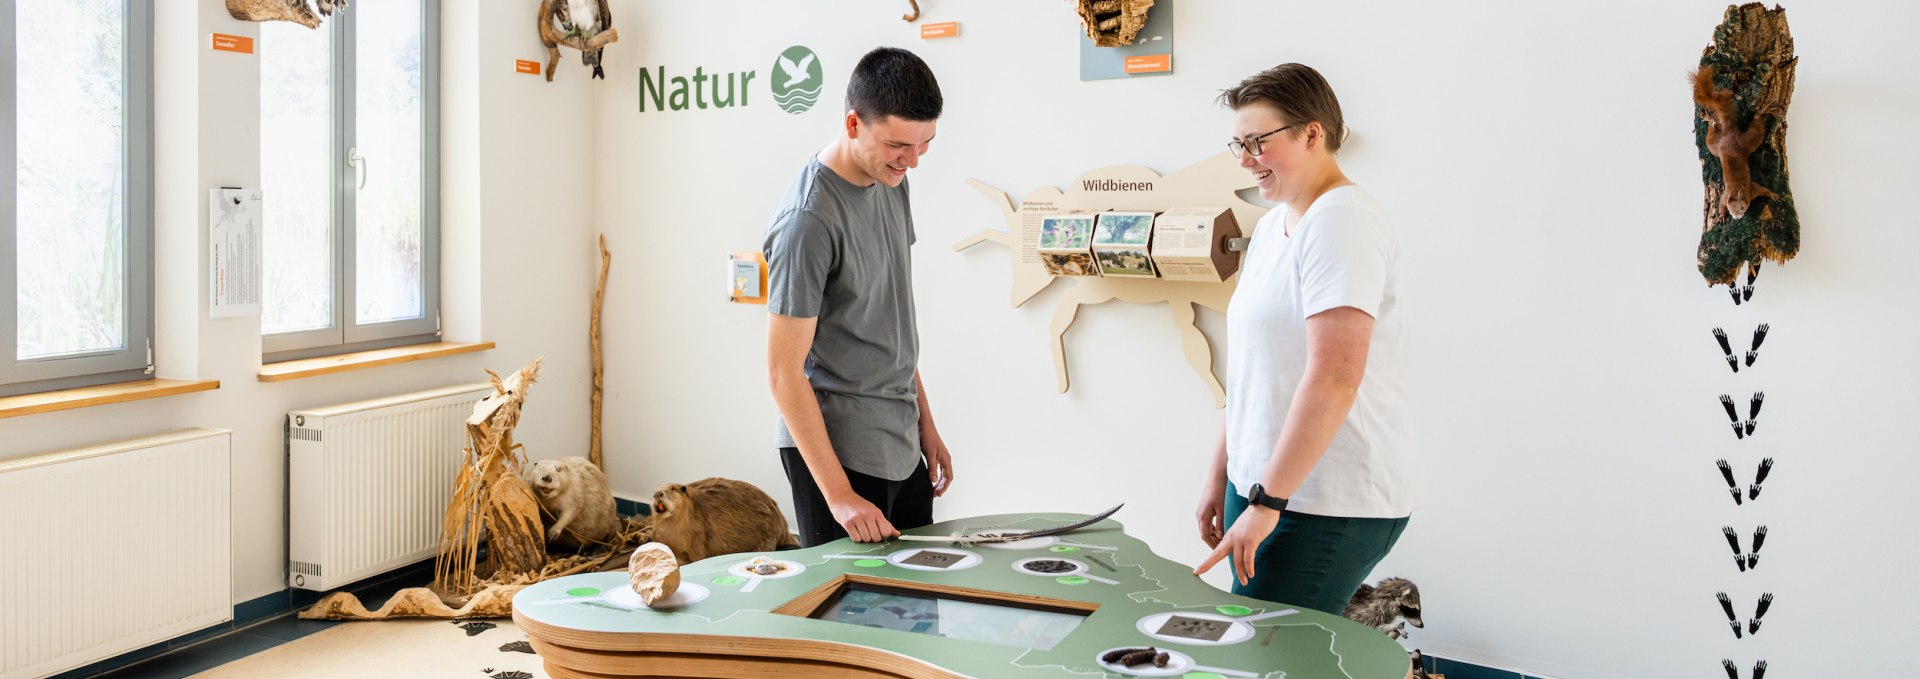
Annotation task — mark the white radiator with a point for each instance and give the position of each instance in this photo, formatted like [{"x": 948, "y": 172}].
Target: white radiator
[
  {"x": 113, "y": 547},
  {"x": 368, "y": 483}
]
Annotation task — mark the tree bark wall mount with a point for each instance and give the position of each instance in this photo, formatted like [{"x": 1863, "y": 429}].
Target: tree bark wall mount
[
  {"x": 1741, "y": 91},
  {"x": 1113, "y": 23}
]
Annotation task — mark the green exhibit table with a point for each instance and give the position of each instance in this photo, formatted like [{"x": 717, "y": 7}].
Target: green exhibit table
[{"x": 1039, "y": 607}]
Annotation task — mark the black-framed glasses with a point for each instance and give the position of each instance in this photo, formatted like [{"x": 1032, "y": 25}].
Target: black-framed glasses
[{"x": 1252, "y": 144}]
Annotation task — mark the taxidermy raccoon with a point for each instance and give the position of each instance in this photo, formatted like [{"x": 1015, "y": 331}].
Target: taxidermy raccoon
[
  {"x": 574, "y": 492},
  {"x": 1419, "y": 665},
  {"x": 717, "y": 516},
  {"x": 1377, "y": 606}
]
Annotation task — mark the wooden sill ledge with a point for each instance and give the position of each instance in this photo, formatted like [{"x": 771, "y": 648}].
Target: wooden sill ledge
[
  {"x": 327, "y": 365},
  {"x": 68, "y": 399}
]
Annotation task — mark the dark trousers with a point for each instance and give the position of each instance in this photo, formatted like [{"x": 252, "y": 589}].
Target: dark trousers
[
  {"x": 1314, "y": 561},
  {"x": 907, "y": 503}
]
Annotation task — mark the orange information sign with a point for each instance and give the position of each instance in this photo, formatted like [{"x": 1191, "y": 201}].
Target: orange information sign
[
  {"x": 949, "y": 29},
  {"x": 233, "y": 43},
  {"x": 1150, "y": 63},
  {"x": 524, "y": 66}
]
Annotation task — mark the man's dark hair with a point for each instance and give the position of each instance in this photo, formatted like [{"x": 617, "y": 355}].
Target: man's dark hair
[{"x": 890, "y": 81}]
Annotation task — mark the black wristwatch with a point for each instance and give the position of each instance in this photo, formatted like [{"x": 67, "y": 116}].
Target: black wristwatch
[{"x": 1260, "y": 497}]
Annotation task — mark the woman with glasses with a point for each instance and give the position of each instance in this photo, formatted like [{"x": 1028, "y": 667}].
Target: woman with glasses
[{"x": 1308, "y": 486}]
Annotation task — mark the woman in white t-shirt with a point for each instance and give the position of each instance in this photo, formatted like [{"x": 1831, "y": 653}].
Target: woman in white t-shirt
[{"x": 1308, "y": 486}]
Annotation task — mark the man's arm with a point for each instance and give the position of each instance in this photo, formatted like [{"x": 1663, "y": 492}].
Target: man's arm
[
  {"x": 788, "y": 340},
  {"x": 939, "y": 461}
]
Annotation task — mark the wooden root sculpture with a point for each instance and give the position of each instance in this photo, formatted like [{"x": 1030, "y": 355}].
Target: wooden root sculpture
[
  {"x": 589, "y": 33},
  {"x": 295, "y": 11},
  {"x": 1113, "y": 23},
  {"x": 1740, "y": 93},
  {"x": 489, "y": 499}
]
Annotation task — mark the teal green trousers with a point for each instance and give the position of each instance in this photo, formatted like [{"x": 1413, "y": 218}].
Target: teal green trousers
[{"x": 1314, "y": 561}]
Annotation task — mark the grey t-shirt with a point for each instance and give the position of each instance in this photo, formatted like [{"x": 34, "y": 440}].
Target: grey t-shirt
[{"x": 839, "y": 252}]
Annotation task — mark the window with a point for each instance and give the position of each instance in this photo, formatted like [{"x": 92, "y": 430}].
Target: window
[
  {"x": 76, "y": 190},
  {"x": 349, "y": 160}
]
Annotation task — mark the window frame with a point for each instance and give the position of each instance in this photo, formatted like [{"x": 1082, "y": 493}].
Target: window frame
[
  {"x": 134, "y": 359},
  {"x": 347, "y": 334}
]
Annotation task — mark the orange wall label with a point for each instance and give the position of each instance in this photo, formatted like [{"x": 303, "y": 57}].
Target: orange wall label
[
  {"x": 1151, "y": 63},
  {"x": 232, "y": 43},
  {"x": 524, "y": 66},
  {"x": 947, "y": 30}
]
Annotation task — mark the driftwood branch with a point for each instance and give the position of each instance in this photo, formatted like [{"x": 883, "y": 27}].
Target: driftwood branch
[
  {"x": 599, "y": 362},
  {"x": 554, "y": 39},
  {"x": 416, "y": 602}
]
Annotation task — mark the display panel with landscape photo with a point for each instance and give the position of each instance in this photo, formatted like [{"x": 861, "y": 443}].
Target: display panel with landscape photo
[
  {"x": 1124, "y": 228},
  {"x": 1120, "y": 243},
  {"x": 1120, "y": 262}
]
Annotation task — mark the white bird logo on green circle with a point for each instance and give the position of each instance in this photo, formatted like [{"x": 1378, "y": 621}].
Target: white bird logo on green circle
[{"x": 796, "y": 79}]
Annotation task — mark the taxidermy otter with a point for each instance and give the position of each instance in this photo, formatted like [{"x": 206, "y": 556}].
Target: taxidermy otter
[
  {"x": 717, "y": 516},
  {"x": 1377, "y": 606},
  {"x": 575, "y": 494},
  {"x": 1731, "y": 143}
]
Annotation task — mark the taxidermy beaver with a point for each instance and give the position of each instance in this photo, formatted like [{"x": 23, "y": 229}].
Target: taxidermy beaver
[
  {"x": 1729, "y": 143},
  {"x": 717, "y": 516},
  {"x": 575, "y": 494},
  {"x": 1377, "y": 606}
]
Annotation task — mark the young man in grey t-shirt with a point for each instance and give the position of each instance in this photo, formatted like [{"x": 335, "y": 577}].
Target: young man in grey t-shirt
[{"x": 855, "y": 434}]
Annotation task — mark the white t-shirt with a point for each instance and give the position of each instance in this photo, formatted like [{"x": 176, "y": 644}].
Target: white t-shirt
[{"x": 1342, "y": 253}]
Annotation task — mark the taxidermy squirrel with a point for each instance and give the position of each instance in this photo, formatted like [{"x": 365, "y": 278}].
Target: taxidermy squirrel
[
  {"x": 717, "y": 516},
  {"x": 1377, "y": 606},
  {"x": 574, "y": 492},
  {"x": 1731, "y": 144}
]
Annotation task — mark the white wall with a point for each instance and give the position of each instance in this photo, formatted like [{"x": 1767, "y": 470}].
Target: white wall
[
  {"x": 1537, "y": 155},
  {"x": 516, "y": 257}
]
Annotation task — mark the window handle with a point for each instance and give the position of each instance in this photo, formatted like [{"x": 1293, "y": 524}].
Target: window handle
[{"x": 359, "y": 162}]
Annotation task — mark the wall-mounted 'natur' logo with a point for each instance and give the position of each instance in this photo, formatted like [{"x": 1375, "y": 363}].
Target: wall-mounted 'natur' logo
[{"x": 796, "y": 79}]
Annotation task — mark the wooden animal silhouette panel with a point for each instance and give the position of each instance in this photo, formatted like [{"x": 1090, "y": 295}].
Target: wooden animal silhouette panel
[{"x": 1210, "y": 182}]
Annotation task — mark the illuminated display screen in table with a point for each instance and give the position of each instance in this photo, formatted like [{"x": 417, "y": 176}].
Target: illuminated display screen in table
[{"x": 952, "y": 618}]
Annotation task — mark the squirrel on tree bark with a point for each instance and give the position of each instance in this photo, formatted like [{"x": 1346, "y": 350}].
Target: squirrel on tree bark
[{"x": 1729, "y": 143}]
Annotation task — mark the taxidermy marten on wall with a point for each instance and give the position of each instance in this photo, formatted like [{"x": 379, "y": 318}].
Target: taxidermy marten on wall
[
  {"x": 574, "y": 492},
  {"x": 717, "y": 516},
  {"x": 1730, "y": 143}
]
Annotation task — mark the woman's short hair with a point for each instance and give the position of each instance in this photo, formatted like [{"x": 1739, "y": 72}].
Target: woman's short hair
[{"x": 1298, "y": 92}]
